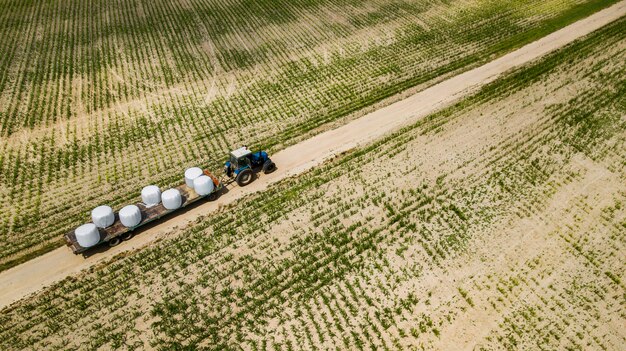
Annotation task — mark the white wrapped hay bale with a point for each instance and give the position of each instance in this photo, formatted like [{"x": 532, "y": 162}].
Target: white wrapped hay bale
[
  {"x": 130, "y": 216},
  {"x": 171, "y": 199},
  {"x": 191, "y": 174},
  {"x": 203, "y": 185},
  {"x": 151, "y": 195},
  {"x": 87, "y": 235},
  {"x": 102, "y": 216}
]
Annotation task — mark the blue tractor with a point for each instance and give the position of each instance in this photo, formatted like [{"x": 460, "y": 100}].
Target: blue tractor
[{"x": 243, "y": 162}]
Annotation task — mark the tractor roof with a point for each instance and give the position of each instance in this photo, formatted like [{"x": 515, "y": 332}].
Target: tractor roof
[{"x": 241, "y": 152}]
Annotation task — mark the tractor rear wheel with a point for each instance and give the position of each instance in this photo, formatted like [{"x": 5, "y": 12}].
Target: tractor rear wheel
[
  {"x": 244, "y": 177},
  {"x": 269, "y": 167}
]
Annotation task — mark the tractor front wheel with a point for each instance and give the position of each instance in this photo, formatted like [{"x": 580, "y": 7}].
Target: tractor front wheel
[
  {"x": 244, "y": 177},
  {"x": 269, "y": 167}
]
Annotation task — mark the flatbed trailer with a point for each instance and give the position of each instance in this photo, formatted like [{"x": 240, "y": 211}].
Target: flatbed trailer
[{"x": 116, "y": 231}]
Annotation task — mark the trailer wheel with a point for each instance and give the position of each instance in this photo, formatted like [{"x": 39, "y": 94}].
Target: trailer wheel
[
  {"x": 244, "y": 177},
  {"x": 269, "y": 167},
  {"x": 212, "y": 197},
  {"x": 127, "y": 236},
  {"x": 114, "y": 242}
]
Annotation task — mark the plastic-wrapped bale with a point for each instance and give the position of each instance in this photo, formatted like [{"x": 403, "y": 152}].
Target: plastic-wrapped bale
[
  {"x": 191, "y": 174},
  {"x": 87, "y": 235},
  {"x": 130, "y": 216},
  {"x": 171, "y": 199},
  {"x": 102, "y": 216},
  {"x": 151, "y": 195},
  {"x": 203, "y": 185}
]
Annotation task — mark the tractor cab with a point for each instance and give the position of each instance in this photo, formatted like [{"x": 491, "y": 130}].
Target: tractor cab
[
  {"x": 239, "y": 159},
  {"x": 242, "y": 162}
]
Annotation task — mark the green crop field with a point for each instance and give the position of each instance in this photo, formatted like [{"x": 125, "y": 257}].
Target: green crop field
[
  {"x": 100, "y": 98},
  {"x": 497, "y": 223}
]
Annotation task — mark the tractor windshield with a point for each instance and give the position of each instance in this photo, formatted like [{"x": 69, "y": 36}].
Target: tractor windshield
[
  {"x": 233, "y": 161},
  {"x": 239, "y": 162},
  {"x": 242, "y": 162}
]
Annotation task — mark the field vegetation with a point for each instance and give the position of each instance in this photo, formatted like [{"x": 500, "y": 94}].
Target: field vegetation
[
  {"x": 100, "y": 98},
  {"x": 497, "y": 223}
]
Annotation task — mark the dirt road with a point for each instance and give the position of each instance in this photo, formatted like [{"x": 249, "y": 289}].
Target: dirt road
[{"x": 33, "y": 275}]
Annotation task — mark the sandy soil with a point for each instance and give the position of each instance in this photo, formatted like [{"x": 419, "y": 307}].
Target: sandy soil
[
  {"x": 525, "y": 240},
  {"x": 29, "y": 277}
]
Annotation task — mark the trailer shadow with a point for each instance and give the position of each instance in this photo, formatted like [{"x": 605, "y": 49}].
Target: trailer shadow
[{"x": 139, "y": 231}]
